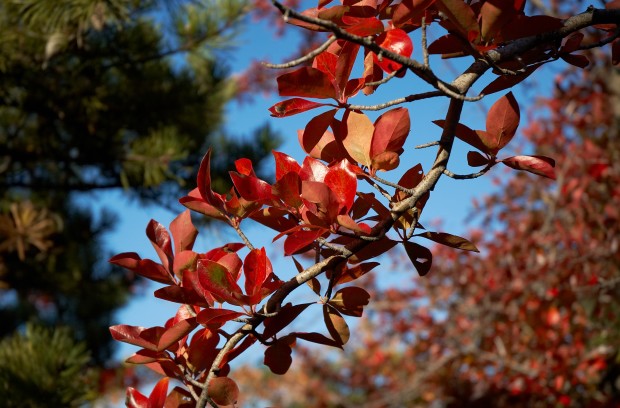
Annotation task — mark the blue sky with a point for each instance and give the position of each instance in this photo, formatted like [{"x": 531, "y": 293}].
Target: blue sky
[{"x": 450, "y": 202}]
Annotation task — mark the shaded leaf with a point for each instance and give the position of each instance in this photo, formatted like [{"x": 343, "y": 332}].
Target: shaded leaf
[
  {"x": 476, "y": 159},
  {"x": 350, "y": 301},
  {"x": 502, "y": 122},
  {"x": 336, "y": 325},
  {"x": 420, "y": 256},
  {"x": 449, "y": 240},
  {"x": 278, "y": 357},
  {"x": 285, "y": 316}
]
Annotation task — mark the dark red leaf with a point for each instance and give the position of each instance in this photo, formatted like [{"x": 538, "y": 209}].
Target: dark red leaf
[
  {"x": 312, "y": 135},
  {"x": 278, "y": 357},
  {"x": 350, "y": 301},
  {"x": 317, "y": 338},
  {"x": 466, "y": 134},
  {"x": 203, "y": 349},
  {"x": 372, "y": 251},
  {"x": 410, "y": 12},
  {"x": 133, "y": 335},
  {"x": 448, "y": 44},
  {"x": 580, "y": 61},
  {"x": 285, "y": 316},
  {"x": 204, "y": 184},
  {"x": 507, "y": 81},
  {"x": 449, "y": 240},
  {"x": 288, "y": 189},
  {"x": 476, "y": 159},
  {"x": 420, "y": 256},
  {"x": 143, "y": 267},
  {"x": 540, "y": 165},
  {"x": 354, "y": 272}
]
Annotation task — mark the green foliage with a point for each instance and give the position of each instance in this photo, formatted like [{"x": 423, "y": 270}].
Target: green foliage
[
  {"x": 115, "y": 94},
  {"x": 47, "y": 368}
]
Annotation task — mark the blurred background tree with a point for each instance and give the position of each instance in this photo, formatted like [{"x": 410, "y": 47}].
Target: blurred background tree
[{"x": 96, "y": 95}]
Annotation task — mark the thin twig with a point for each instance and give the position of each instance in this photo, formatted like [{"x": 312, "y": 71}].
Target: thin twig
[
  {"x": 303, "y": 59},
  {"x": 409, "y": 98},
  {"x": 245, "y": 239},
  {"x": 394, "y": 185},
  {"x": 430, "y": 144},
  {"x": 424, "y": 44},
  {"x": 599, "y": 44},
  {"x": 384, "y": 80},
  {"x": 340, "y": 249},
  {"x": 468, "y": 176}
]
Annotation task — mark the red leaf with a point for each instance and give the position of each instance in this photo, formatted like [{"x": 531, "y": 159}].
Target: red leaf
[
  {"x": 195, "y": 202},
  {"x": 346, "y": 221},
  {"x": 203, "y": 349},
  {"x": 217, "y": 280},
  {"x": 343, "y": 183},
  {"x": 223, "y": 391},
  {"x": 398, "y": 42},
  {"x": 134, "y": 335},
  {"x": 308, "y": 82},
  {"x": 157, "y": 399},
  {"x": 449, "y": 240},
  {"x": 350, "y": 301},
  {"x": 346, "y": 59},
  {"x": 251, "y": 188},
  {"x": 274, "y": 218},
  {"x": 494, "y": 15},
  {"x": 410, "y": 11},
  {"x": 285, "y": 164},
  {"x": 502, "y": 122},
  {"x": 312, "y": 135},
  {"x": 385, "y": 161},
  {"x": 391, "y": 131},
  {"x": 144, "y": 267},
  {"x": 278, "y": 357},
  {"x": 183, "y": 232},
  {"x": 300, "y": 241},
  {"x": 160, "y": 239},
  {"x": 256, "y": 269},
  {"x": 288, "y": 189},
  {"x": 134, "y": 399},
  {"x": 176, "y": 333},
  {"x": 358, "y": 136},
  {"x": 461, "y": 15},
  {"x": 313, "y": 170},
  {"x": 204, "y": 184},
  {"x": 420, "y": 256},
  {"x": 540, "y": 165},
  {"x": 336, "y": 325},
  {"x": 363, "y": 26},
  {"x": 292, "y": 107},
  {"x": 216, "y": 317},
  {"x": 615, "y": 52}
]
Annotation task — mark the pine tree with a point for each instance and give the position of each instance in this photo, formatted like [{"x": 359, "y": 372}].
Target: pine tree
[{"x": 100, "y": 95}]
